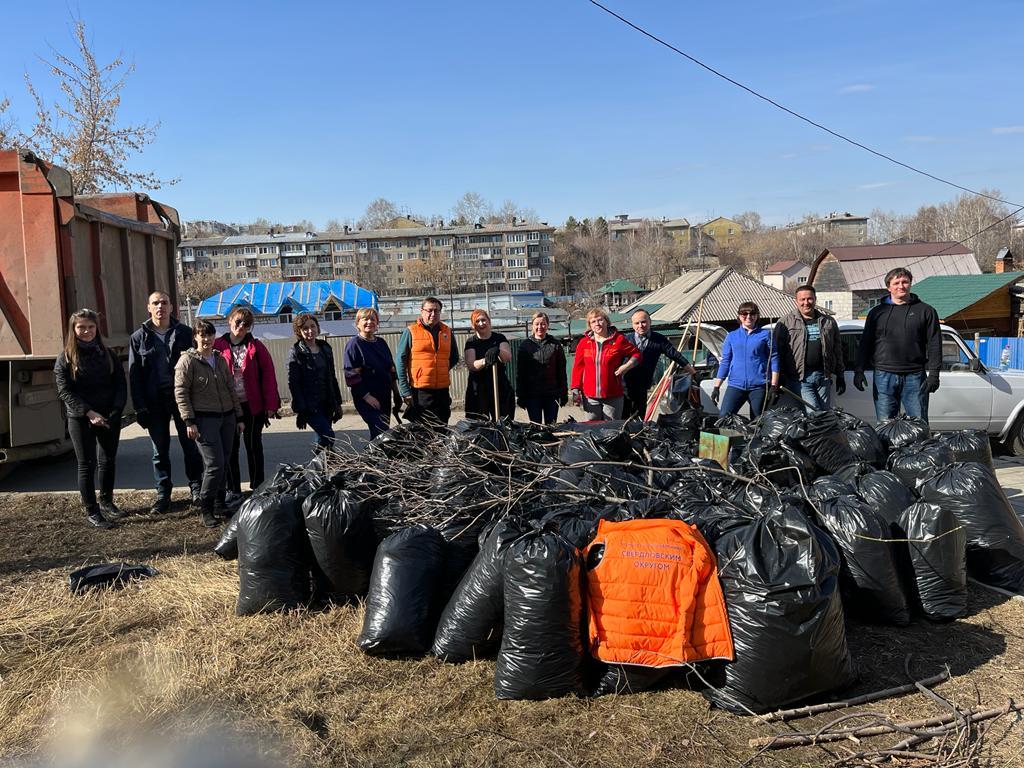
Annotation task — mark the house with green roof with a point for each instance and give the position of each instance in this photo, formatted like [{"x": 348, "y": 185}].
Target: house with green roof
[
  {"x": 988, "y": 304},
  {"x": 619, "y": 293}
]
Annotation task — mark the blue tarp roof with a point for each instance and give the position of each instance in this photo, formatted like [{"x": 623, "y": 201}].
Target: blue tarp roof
[{"x": 301, "y": 296}]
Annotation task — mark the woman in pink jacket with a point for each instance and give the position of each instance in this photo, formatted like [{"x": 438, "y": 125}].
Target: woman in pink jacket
[{"x": 252, "y": 370}]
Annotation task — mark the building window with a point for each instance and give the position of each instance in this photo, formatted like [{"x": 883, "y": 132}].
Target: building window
[
  {"x": 516, "y": 237},
  {"x": 801, "y": 279},
  {"x": 828, "y": 303},
  {"x": 285, "y": 317}
]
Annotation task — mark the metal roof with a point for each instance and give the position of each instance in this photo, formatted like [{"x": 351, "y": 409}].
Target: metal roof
[
  {"x": 621, "y": 285},
  {"x": 902, "y": 251},
  {"x": 950, "y": 294},
  {"x": 781, "y": 266},
  {"x": 723, "y": 290},
  {"x": 870, "y": 273},
  {"x": 302, "y": 296}
]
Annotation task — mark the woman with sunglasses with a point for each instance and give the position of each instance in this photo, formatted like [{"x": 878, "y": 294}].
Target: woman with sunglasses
[
  {"x": 204, "y": 390},
  {"x": 252, "y": 371},
  {"x": 91, "y": 384},
  {"x": 749, "y": 360}
]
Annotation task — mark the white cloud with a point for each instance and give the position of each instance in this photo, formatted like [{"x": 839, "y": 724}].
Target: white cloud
[
  {"x": 856, "y": 88},
  {"x": 877, "y": 185},
  {"x": 1007, "y": 129}
]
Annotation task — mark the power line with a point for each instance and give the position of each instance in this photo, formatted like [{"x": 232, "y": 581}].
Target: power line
[{"x": 792, "y": 112}]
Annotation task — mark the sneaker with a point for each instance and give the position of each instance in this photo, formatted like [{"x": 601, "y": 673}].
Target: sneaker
[
  {"x": 222, "y": 512},
  {"x": 110, "y": 510},
  {"x": 209, "y": 520},
  {"x": 161, "y": 506},
  {"x": 196, "y": 493},
  {"x": 95, "y": 519}
]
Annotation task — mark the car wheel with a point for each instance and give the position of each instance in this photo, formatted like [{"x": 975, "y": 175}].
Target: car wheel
[{"x": 1014, "y": 442}]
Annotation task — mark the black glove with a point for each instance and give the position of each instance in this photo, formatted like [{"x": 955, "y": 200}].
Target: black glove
[
  {"x": 142, "y": 416},
  {"x": 716, "y": 395},
  {"x": 563, "y": 399},
  {"x": 773, "y": 395},
  {"x": 933, "y": 382},
  {"x": 300, "y": 421},
  {"x": 860, "y": 381},
  {"x": 840, "y": 384},
  {"x": 266, "y": 421},
  {"x": 491, "y": 356},
  {"x": 336, "y": 416}
]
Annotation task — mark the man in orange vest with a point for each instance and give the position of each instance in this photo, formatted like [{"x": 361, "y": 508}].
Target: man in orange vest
[{"x": 426, "y": 353}]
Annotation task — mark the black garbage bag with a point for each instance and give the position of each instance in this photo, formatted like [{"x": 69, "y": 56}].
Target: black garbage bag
[
  {"x": 714, "y": 519},
  {"x": 870, "y": 575},
  {"x": 902, "y": 430},
  {"x": 995, "y": 535},
  {"x": 402, "y": 602},
  {"x": 679, "y": 427},
  {"x": 460, "y": 548},
  {"x": 668, "y": 454},
  {"x": 938, "y": 547},
  {"x": 541, "y": 654},
  {"x": 470, "y": 624},
  {"x": 913, "y": 463},
  {"x": 734, "y": 422},
  {"x": 970, "y": 445},
  {"x": 863, "y": 440},
  {"x": 785, "y": 421},
  {"x": 851, "y": 472},
  {"x": 628, "y": 678},
  {"x": 830, "y": 487},
  {"x": 109, "y": 575},
  {"x": 825, "y": 441},
  {"x": 395, "y": 443},
  {"x": 343, "y": 540},
  {"x": 273, "y": 555},
  {"x": 782, "y": 462},
  {"x": 780, "y": 576},
  {"x": 886, "y": 494},
  {"x": 227, "y": 545}
]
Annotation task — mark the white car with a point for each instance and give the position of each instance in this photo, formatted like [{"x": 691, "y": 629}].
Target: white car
[{"x": 970, "y": 396}]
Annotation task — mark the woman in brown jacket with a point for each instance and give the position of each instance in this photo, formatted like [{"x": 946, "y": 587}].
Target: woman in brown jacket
[{"x": 206, "y": 397}]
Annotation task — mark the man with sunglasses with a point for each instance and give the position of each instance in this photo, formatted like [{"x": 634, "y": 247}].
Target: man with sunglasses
[
  {"x": 749, "y": 361},
  {"x": 153, "y": 351}
]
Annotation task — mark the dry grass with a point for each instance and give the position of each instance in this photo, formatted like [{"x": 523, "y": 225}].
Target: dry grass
[{"x": 167, "y": 658}]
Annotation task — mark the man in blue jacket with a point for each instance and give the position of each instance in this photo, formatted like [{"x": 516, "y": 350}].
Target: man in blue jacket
[
  {"x": 902, "y": 342},
  {"x": 153, "y": 351},
  {"x": 652, "y": 345},
  {"x": 749, "y": 361}
]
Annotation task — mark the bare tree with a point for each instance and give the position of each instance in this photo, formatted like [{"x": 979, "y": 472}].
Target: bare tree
[
  {"x": 509, "y": 210},
  {"x": 885, "y": 226},
  {"x": 8, "y": 130},
  {"x": 471, "y": 208},
  {"x": 200, "y": 285},
  {"x": 378, "y": 214},
  {"x": 749, "y": 221},
  {"x": 81, "y": 130}
]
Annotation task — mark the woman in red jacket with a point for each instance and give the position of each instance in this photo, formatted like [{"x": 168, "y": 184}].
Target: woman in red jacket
[
  {"x": 602, "y": 356},
  {"x": 252, "y": 370}
]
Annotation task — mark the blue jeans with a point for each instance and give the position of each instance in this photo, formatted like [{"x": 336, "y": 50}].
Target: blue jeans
[
  {"x": 893, "y": 389},
  {"x": 322, "y": 426},
  {"x": 538, "y": 407},
  {"x": 815, "y": 390},
  {"x": 160, "y": 434},
  {"x": 734, "y": 398}
]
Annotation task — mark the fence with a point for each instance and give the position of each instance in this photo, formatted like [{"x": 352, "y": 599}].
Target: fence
[
  {"x": 990, "y": 349},
  {"x": 279, "y": 349}
]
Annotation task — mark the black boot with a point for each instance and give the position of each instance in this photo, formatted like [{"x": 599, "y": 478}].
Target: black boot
[
  {"x": 209, "y": 518},
  {"x": 95, "y": 519},
  {"x": 110, "y": 510}
]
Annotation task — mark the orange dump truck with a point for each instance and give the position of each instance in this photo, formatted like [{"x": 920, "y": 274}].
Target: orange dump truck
[{"x": 58, "y": 253}]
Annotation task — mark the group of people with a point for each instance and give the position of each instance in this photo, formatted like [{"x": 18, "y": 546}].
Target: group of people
[
  {"x": 220, "y": 393},
  {"x": 901, "y": 342}
]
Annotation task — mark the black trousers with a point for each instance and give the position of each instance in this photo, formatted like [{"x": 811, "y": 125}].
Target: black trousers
[
  {"x": 95, "y": 448},
  {"x": 634, "y": 403},
  {"x": 216, "y": 432},
  {"x": 430, "y": 406},
  {"x": 252, "y": 437}
]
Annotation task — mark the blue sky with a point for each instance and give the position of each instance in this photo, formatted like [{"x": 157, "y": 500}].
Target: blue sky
[{"x": 313, "y": 109}]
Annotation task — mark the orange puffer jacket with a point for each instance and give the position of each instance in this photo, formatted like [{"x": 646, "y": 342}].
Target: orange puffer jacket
[{"x": 655, "y": 598}]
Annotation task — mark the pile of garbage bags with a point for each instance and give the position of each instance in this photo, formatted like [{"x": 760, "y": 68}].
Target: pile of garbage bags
[{"x": 821, "y": 515}]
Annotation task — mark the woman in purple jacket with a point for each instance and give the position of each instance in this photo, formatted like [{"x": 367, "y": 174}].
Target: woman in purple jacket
[
  {"x": 370, "y": 373},
  {"x": 252, "y": 371}
]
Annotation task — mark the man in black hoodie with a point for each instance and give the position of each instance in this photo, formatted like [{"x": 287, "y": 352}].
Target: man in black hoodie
[{"x": 902, "y": 342}]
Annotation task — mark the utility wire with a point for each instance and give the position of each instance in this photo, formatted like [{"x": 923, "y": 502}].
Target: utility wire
[{"x": 794, "y": 113}]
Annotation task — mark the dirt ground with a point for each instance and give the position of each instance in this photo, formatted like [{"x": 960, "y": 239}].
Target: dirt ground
[{"x": 165, "y": 668}]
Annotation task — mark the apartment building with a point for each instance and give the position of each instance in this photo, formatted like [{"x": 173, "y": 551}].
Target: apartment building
[
  {"x": 408, "y": 258},
  {"x": 835, "y": 229}
]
